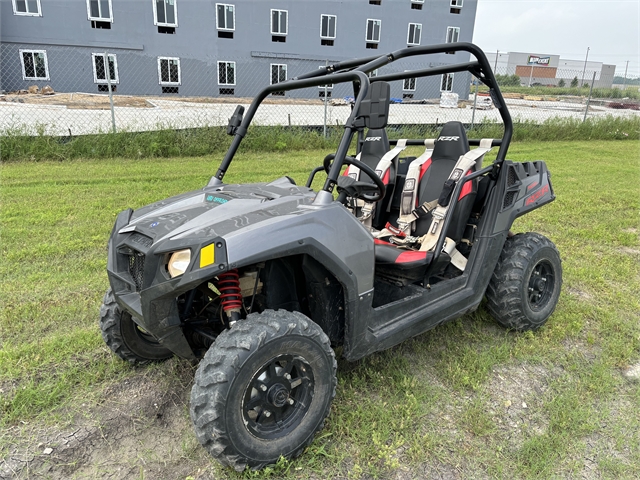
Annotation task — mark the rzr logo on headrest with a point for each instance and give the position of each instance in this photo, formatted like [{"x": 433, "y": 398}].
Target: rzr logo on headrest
[
  {"x": 373, "y": 139},
  {"x": 448, "y": 139}
]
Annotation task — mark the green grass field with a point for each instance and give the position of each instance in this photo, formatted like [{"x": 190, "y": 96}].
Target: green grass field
[{"x": 466, "y": 399}]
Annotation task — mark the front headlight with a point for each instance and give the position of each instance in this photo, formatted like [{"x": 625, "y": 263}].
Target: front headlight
[{"x": 178, "y": 262}]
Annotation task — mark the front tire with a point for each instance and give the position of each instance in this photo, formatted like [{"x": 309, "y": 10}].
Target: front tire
[
  {"x": 263, "y": 389},
  {"x": 525, "y": 286},
  {"x": 125, "y": 338}
]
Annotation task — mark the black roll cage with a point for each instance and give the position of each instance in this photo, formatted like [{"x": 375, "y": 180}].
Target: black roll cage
[{"x": 355, "y": 71}]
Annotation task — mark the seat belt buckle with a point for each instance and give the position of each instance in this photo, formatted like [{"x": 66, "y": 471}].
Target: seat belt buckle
[{"x": 397, "y": 232}]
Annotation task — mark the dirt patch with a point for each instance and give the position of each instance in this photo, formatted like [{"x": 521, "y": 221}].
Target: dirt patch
[
  {"x": 139, "y": 428},
  {"x": 515, "y": 401},
  {"x": 101, "y": 101},
  {"x": 629, "y": 251},
  {"x": 78, "y": 100},
  {"x": 581, "y": 294}
]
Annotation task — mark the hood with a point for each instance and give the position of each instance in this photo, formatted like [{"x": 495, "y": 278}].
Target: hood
[{"x": 216, "y": 211}]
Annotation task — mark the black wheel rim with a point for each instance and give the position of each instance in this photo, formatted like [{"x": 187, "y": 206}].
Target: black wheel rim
[
  {"x": 278, "y": 397},
  {"x": 541, "y": 285}
]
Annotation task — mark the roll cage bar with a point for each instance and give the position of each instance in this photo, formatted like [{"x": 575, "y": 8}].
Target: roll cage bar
[{"x": 355, "y": 71}]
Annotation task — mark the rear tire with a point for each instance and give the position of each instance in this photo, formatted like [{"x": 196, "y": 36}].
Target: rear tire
[
  {"x": 263, "y": 389},
  {"x": 525, "y": 286},
  {"x": 125, "y": 338}
]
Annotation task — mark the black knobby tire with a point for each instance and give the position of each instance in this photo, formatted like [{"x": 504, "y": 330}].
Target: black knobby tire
[
  {"x": 123, "y": 336},
  {"x": 263, "y": 389},
  {"x": 525, "y": 286}
]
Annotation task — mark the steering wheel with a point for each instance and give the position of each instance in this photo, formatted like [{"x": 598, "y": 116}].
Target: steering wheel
[{"x": 370, "y": 192}]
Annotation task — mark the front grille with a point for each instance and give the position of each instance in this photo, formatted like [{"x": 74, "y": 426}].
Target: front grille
[
  {"x": 508, "y": 199},
  {"x": 136, "y": 269}
]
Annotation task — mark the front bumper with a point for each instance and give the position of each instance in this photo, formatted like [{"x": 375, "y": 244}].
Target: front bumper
[{"x": 136, "y": 268}]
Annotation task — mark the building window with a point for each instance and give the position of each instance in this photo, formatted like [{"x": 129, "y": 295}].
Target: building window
[
  {"x": 417, "y": 4},
  {"x": 279, "y": 25},
  {"x": 328, "y": 29},
  {"x": 27, "y": 7},
  {"x": 373, "y": 32},
  {"x": 453, "y": 33},
  {"x": 375, "y": 2},
  {"x": 226, "y": 20},
  {"x": 278, "y": 73},
  {"x": 165, "y": 14},
  {"x": 456, "y": 6},
  {"x": 446, "y": 83},
  {"x": 279, "y": 22},
  {"x": 227, "y": 77},
  {"x": 169, "y": 71},
  {"x": 100, "y": 11},
  {"x": 413, "y": 36},
  {"x": 99, "y": 69},
  {"x": 34, "y": 65},
  {"x": 409, "y": 85},
  {"x": 226, "y": 73}
]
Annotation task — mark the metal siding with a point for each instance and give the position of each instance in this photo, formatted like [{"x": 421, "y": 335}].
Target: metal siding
[{"x": 135, "y": 40}]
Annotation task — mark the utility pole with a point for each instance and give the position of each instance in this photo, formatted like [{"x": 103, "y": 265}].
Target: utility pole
[
  {"x": 624, "y": 82},
  {"x": 585, "y": 68}
]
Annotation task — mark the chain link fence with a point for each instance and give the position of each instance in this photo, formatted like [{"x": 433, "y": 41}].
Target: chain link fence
[{"x": 58, "y": 90}]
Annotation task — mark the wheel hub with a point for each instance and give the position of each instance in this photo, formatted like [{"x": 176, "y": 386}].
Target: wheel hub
[
  {"x": 278, "y": 395},
  {"x": 541, "y": 285}
]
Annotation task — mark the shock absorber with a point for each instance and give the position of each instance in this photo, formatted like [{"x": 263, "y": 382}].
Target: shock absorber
[{"x": 230, "y": 294}]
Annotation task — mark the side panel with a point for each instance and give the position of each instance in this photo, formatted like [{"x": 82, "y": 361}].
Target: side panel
[{"x": 527, "y": 186}]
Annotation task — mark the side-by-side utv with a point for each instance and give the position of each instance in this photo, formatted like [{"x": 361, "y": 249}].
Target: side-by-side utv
[{"x": 261, "y": 281}]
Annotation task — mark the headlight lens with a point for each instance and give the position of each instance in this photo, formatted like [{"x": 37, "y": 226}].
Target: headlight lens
[{"x": 178, "y": 262}]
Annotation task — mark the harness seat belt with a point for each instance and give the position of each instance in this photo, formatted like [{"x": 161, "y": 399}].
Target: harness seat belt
[
  {"x": 463, "y": 166},
  {"x": 381, "y": 170}
]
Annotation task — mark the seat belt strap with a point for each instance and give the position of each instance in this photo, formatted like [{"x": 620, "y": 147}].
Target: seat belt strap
[
  {"x": 457, "y": 259},
  {"x": 463, "y": 166},
  {"x": 410, "y": 191},
  {"x": 381, "y": 170}
]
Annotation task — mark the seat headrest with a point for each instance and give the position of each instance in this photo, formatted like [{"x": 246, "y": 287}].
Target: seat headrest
[
  {"x": 451, "y": 143},
  {"x": 376, "y": 144}
]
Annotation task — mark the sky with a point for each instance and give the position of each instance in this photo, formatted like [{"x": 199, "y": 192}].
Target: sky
[{"x": 610, "y": 28}]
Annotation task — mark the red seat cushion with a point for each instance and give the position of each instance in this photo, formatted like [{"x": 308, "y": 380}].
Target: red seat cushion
[{"x": 389, "y": 254}]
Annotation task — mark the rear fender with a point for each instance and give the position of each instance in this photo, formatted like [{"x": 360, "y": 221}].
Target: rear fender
[{"x": 527, "y": 186}]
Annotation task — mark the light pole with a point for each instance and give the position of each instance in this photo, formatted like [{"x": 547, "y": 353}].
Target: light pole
[
  {"x": 495, "y": 66},
  {"x": 585, "y": 68},
  {"x": 624, "y": 82}
]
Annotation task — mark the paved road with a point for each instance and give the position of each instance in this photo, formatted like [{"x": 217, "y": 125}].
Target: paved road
[{"x": 60, "y": 120}]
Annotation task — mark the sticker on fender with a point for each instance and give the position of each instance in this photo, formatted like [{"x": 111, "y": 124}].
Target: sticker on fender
[{"x": 536, "y": 195}]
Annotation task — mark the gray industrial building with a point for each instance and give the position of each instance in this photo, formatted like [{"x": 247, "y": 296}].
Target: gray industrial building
[
  {"x": 212, "y": 49},
  {"x": 549, "y": 70}
]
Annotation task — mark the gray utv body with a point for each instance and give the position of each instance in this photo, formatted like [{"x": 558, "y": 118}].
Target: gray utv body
[{"x": 312, "y": 254}]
